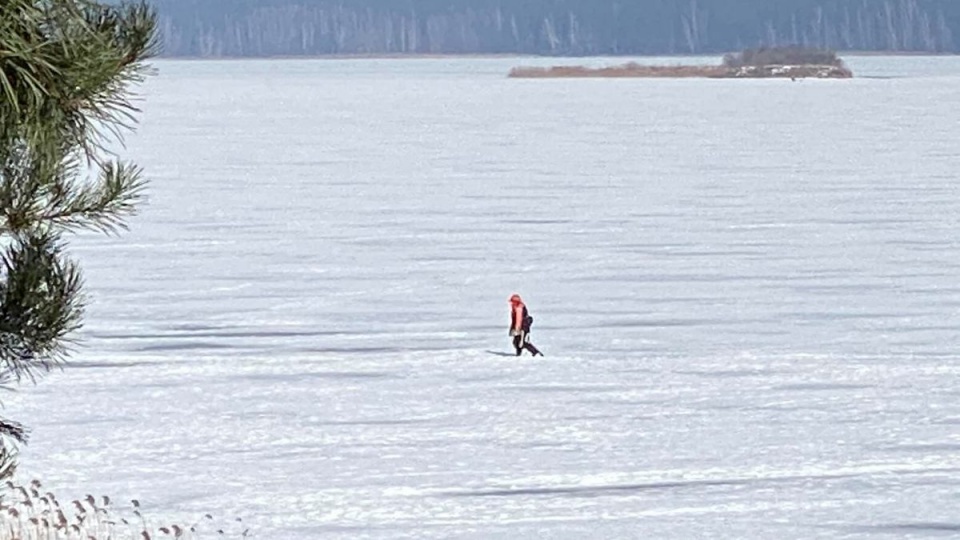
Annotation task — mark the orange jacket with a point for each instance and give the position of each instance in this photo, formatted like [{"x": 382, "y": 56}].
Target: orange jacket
[{"x": 518, "y": 313}]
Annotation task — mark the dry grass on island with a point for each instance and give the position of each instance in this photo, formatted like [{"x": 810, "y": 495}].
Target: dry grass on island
[{"x": 762, "y": 63}]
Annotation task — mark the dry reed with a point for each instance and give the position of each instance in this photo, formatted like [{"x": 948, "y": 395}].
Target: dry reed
[{"x": 28, "y": 513}]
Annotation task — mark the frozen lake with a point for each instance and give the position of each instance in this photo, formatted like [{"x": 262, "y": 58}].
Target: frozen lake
[{"x": 746, "y": 292}]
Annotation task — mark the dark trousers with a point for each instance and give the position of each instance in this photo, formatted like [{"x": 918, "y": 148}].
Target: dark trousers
[{"x": 521, "y": 342}]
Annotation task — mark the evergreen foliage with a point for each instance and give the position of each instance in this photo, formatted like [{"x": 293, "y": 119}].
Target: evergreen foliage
[{"x": 65, "y": 71}]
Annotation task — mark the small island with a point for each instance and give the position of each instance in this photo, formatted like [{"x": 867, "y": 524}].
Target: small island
[{"x": 760, "y": 63}]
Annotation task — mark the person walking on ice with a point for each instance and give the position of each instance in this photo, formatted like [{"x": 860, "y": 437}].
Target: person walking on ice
[{"x": 520, "y": 321}]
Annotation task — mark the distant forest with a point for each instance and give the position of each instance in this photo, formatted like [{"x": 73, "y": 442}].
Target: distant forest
[{"x": 550, "y": 27}]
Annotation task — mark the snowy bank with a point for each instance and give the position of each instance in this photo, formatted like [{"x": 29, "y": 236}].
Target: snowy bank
[{"x": 712, "y": 72}]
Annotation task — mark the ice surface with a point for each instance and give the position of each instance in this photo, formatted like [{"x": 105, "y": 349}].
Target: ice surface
[{"x": 746, "y": 292}]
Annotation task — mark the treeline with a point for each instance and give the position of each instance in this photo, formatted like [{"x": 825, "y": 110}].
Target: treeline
[
  {"x": 550, "y": 27},
  {"x": 782, "y": 56}
]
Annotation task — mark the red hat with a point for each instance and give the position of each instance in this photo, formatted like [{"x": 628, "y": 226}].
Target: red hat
[{"x": 515, "y": 299}]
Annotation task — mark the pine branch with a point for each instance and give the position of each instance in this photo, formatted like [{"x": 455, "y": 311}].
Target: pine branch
[
  {"x": 40, "y": 305},
  {"x": 8, "y": 460},
  {"x": 102, "y": 206},
  {"x": 13, "y": 430},
  {"x": 103, "y": 58},
  {"x": 66, "y": 68},
  {"x": 72, "y": 63}
]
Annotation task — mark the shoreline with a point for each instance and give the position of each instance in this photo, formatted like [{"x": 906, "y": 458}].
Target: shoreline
[
  {"x": 763, "y": 63},
  {"x": 634, "y": 70},
  {"x": 496, "y": 56}
]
